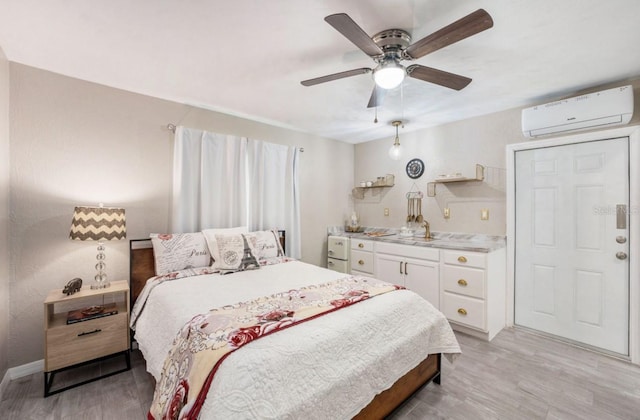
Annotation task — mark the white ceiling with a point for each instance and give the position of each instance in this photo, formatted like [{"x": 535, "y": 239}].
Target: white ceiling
[{"x": 247, "y": 57}]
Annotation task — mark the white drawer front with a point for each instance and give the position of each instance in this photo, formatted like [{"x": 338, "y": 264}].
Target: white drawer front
[
  {"x": 465, "y": 258},
  {"x": 465, "y": 310},
  {"x": 361, "y": 245},
  {"x": 409, "y": 251},
  {"x": 362, "y": 261},
  {"x": 465, "y": 281}
]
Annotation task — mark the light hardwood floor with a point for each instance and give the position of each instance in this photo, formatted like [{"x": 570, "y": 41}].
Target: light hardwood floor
[{"x": 519, "y": 375}]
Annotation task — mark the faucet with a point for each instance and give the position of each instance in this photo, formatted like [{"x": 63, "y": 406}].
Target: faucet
[{"x": 427, "y": 230}]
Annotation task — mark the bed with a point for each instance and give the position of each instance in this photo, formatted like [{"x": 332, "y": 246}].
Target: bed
[{"x": 362, "y": 361}]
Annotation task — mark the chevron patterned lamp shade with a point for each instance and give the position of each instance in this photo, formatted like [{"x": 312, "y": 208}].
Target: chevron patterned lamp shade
[{"x": 98, "y": 224}]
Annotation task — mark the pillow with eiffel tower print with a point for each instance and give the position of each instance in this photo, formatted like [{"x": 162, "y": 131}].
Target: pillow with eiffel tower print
[{"x": 235, "y": 254}]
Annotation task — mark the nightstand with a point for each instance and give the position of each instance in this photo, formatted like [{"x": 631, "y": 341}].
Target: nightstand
[{"x": 67, "y": 346}]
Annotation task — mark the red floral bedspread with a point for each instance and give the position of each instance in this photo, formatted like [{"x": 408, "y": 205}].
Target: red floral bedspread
[{"x": 205, "y": 341}]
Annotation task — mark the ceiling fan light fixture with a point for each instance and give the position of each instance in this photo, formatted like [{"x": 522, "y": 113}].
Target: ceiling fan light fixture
[
  {"x": 389, "y": 74},
  {"x": 395, "y": 151}
]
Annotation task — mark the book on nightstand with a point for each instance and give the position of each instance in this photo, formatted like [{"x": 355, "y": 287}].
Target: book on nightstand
[{"x": 91, "y": 312}]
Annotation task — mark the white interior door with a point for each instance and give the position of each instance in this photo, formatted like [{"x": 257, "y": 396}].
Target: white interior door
[{"x": 571, "y": 242}]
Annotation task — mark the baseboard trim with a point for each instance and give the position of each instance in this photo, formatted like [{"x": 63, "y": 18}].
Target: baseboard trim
[
  {"x": 19, "y": 372},
  {"x": 26, "y": 369},
  {"x": 4, "y": 384}
]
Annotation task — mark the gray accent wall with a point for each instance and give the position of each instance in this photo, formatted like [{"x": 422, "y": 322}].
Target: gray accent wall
[
  {"x": 4, "y": 215},
  {"x": 80, "y": 143}
]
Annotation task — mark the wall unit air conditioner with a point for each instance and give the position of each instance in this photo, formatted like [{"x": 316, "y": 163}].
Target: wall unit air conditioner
[{"x": 598, "y": 109}]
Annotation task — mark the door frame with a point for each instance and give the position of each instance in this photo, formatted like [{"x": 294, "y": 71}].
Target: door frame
[{"x": 633, "y": 132}]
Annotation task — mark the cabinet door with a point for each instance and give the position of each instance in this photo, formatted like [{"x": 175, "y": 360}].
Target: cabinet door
[
  {"x": 423, "y": 278},
  {"x": 390, "y": 268}
]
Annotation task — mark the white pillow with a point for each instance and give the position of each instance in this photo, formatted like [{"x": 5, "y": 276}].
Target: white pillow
[
  {"x": 178, "y": 251},
  {"x": 210, "y": 237}
]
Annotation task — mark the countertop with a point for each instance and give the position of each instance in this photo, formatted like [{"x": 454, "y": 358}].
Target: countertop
[{"x": 446, "y": 240}]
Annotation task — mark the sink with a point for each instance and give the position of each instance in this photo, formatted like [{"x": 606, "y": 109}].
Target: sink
[
  {"x": 423, "y": 239},
  {"x": 415, "y": 239}
]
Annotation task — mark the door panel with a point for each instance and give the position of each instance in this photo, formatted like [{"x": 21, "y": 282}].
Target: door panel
[{"x": 568, "y": 281}]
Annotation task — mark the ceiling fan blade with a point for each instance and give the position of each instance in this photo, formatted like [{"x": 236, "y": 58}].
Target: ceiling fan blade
[
  {"x": 439, "y": 77},
  {"x": 471, "y": 24},
  {"x": 354, "y": 33},
  {"x": 335, "y": 76},
  {"x": 377, "y": 97}
]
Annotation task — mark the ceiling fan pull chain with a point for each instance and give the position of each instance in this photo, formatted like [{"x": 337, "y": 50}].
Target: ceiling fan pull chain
[{"x": 375, "y": 120}]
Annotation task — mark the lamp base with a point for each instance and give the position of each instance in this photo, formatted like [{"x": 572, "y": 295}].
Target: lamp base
[{"x": 102, "y": 285}]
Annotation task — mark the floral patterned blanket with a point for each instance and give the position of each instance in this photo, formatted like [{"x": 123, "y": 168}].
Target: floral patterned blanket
[{"x": 205, "y": 341}]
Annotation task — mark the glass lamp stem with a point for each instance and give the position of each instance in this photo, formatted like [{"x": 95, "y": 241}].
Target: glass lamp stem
[{"x": 101, "y": 277}]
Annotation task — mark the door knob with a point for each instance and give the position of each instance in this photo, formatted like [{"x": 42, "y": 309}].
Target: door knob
[
  {"x": 621, "y": 255},
  {"x": 621, "y": 239}
]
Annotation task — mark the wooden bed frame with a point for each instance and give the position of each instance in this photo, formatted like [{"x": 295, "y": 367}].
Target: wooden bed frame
[{"x": 142, "y": 268}]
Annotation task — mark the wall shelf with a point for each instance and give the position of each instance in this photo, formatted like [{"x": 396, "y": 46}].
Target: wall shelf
[
  {"x": 358, "y": 192},
  {"x": 431, "y": 186}
]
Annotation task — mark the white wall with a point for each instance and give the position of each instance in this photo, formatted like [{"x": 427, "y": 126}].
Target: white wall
[
  {"x": 446, "y": 149},
  {"x": 4, "y": 214},
  {"x": 74, "y": 142}
]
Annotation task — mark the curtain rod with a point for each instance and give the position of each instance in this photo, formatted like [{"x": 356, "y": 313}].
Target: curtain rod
[{"x": 172, "y": 127}]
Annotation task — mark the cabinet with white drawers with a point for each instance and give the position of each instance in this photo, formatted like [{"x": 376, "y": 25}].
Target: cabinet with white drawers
[
  {"x": 468, "y": 287},
  {"x": 362, "y": 257},
  {"x": 472, "y": 291}
]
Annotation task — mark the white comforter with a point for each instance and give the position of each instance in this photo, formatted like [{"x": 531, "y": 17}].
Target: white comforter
[{"x": 329, "y": 367}]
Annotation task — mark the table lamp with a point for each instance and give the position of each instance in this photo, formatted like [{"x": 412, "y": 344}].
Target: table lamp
[{"x": 98, "y": 224}]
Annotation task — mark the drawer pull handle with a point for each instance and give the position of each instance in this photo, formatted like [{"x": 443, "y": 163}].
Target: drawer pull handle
[
  {"x": 97, "y": 330},
  {"x": 462, "y": 311},
  {"x": 462, "y": 282},
  {"x": 361, "y": 262},
  {"x": 330, "y": 252},
  {"x": 330, "y": 262},
  {"x": 462, "y": 259},
  {"x": 361, "y": 245}
]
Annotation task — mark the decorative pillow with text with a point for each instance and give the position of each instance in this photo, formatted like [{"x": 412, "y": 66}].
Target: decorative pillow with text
[{"x": 179, "y": 251}]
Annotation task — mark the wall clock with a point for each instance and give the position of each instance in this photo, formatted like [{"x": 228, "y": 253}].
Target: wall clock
[{"x": 415, "y": 168}]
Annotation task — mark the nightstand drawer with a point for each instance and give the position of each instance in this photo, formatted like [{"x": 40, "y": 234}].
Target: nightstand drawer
[{"x": 75, "y": 343}]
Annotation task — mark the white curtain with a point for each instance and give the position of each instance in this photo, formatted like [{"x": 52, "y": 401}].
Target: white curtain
[
  {"x": 273, "y": 191},
  {"x": 225, "y": 181},
  {"x": 209, "y": 181}
]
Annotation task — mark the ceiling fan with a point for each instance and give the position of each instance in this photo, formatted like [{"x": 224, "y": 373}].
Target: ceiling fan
[{"x": 389, "y": 47}]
